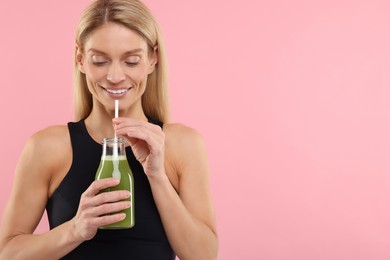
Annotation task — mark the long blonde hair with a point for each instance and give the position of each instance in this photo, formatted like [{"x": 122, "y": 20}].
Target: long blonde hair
[{"x": 136, "y": 16}]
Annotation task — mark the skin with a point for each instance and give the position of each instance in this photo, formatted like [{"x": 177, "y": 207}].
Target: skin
[{"x": 174, "y": 160}]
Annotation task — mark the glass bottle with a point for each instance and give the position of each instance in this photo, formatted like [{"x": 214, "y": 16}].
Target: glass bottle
[{"x": 113, "y": 164}]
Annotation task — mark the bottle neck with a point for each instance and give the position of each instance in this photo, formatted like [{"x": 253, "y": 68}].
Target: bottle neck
[{"x": 114, "y": 147}]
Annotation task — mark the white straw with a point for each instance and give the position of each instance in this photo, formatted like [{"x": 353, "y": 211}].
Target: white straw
[
  {"x": 116, "y": 173},
  {"x": 116, "y": 108},
  {"x": 116, "y": 113}
]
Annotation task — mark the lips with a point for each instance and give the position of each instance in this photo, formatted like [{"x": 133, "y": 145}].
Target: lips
[{"x": 117, "y": 91}]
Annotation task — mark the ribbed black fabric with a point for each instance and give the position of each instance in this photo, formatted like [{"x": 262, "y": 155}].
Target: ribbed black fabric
[{"x": 145, "y": 241}]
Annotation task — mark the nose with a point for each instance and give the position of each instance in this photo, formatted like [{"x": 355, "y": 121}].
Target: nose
[{"x": 115, "y": 73}]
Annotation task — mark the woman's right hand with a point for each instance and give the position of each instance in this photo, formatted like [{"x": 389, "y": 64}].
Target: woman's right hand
[{"x": 94, "y": 206}]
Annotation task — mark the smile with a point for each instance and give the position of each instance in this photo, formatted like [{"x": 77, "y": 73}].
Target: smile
[{"x": 116, "y": 91}]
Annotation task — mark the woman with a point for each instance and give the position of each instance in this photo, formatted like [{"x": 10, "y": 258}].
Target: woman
[{"x": 119, "y": 55}]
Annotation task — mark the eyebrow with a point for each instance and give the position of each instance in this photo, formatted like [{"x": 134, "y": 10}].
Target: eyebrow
[{"x": 126, "y": 53}]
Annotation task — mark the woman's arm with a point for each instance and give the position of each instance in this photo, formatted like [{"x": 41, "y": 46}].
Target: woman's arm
[
  {"x": 45, "y": 153},
  {"x": 27, "y": 204},
  {"x": 187, "y": 214}
]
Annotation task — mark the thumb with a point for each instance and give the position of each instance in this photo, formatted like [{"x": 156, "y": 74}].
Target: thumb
[{"x": 132, "y": 141}]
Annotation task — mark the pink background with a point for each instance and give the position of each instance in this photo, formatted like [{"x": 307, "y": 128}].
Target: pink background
[{"x": 292, "y": 98}]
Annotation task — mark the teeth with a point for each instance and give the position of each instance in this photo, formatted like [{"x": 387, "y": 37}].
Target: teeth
[{"x": 116, "y": 91}]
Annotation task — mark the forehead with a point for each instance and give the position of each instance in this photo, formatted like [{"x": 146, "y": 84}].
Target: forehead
[{"x": 113, "y": 38}]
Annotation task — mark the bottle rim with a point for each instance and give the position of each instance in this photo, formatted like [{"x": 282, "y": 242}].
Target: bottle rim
[{"x": 114, "y": 140}]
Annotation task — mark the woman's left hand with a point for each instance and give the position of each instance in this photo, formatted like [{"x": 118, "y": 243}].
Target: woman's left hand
[{"x": 146, "y": 141}]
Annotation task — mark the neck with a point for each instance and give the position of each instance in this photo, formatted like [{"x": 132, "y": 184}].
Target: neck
[{"x": 99, "y": 121}]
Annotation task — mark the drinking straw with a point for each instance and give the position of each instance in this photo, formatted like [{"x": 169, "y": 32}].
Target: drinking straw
[
  {"x": 116, "y": 173},
  {"x": 116, "y": 113}
]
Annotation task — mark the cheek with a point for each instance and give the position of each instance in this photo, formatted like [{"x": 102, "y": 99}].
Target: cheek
[
  {"x": 138, "y": 75},
  {"x": 95, "y": 74}
]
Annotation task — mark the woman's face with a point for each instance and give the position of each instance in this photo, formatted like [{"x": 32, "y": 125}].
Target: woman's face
[{"x": 116, "y": 63}]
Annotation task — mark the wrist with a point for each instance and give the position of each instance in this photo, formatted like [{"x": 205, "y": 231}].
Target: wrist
[
  {"x": 72, "y": 236},
  {"x": 158, "y": 177}
]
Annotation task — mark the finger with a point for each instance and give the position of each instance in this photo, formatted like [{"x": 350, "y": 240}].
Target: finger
[
  {"x": 111, "y": 196},
  {"x": 106, "y": 219},
  {"x": 135, "y": 130},
  {"x": 99, "y": 185},
  {"x": 120, "y": 121},
  {"x": 109, "y": 219},
  {"x": 90, "y": 205},
  {"x": 123, "y": 122},
  {"x": 110, "y": 208},
  {"x": 131, "y": 141},
  {"x": 154, "y": 141},
  {"x": 152, "y": 131}
]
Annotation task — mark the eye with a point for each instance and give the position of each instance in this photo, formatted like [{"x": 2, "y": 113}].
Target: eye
[
  {"x": 101, "y": 63},
  {"x": 132, "y": 60},
  {"x": 98, "y": 60}
]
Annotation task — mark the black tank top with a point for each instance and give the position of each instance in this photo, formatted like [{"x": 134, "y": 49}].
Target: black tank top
[{"x": 146, "y": 240}]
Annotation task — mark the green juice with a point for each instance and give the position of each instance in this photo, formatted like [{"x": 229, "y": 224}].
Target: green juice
[{"x": 106, "y": 170}]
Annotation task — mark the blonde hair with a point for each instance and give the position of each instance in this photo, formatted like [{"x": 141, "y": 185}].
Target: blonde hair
[{"x": 136, "y": 16}]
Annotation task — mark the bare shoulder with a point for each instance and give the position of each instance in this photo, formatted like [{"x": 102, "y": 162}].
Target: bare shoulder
[
  {"x": 185, "y": 147},
  {"x": 184, "y": 139},
  {"x": 182, "y": 135},
  {"x": 47, "y": 146},
  {"x": 55, "y": 133},
  {"x": 50, "y": 139}
]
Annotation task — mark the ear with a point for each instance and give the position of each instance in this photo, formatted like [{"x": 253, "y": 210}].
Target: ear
[
  {"x": 153, "y": 59},
  {"x": 79, "y": 59}
]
